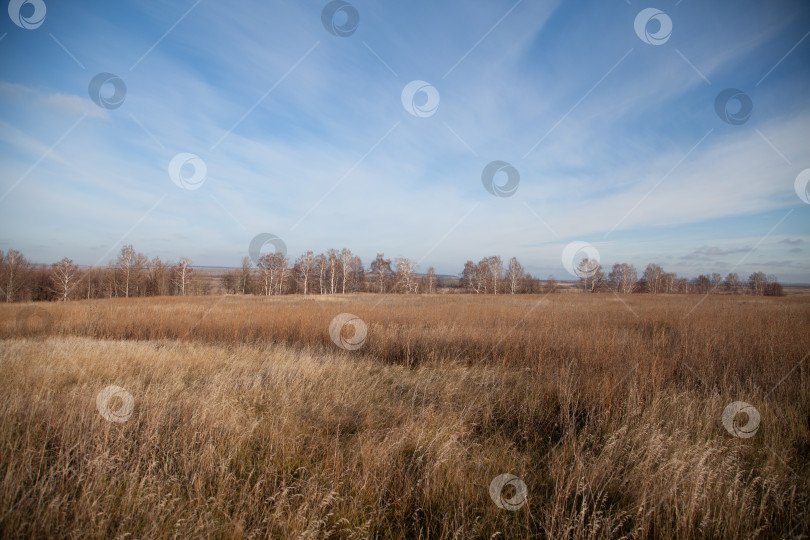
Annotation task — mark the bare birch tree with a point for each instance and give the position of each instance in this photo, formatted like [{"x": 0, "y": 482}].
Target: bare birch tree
[
  {"x": 158, "y": 278},
  {"x": 653, "y": 275},
  {"x": 125, "y": 264},
  {"x": 244, "y": 275},
  {"x": 381, "y": 269},
  {"x": 405, "y": 269},
  {"x": 332, "y": 254},
  {"x": 622, "y": 278},
  {"x": 345, "y": 267},
  {"x": 321, "y": 264},
  {"x": 182, "y": 273},
  {"x": 64, "y": 275},
  {"x": 481, "y": 276},
  {"x": 495, "y": 265},
  {"x": 430, "y": 281},
  {"x": 756, "y": 282},
  {"x": 467, "y": 281},
  {"x": 356, "y": 272},
  {"x": 590, "y": 274},
  {"x": 303, "y": 269},
  {"x": 514, "y": 275},
  {"x": 13, "y": 270},
  {"x": 281, "y": 271}
]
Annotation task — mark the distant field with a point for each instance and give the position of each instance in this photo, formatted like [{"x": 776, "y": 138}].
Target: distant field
[
  {"x": 797, "y": 290},
  {"x": 247, "y": 420}
]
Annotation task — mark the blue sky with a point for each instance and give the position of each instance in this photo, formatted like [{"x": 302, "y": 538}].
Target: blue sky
[{"x": 304, "y": 134}]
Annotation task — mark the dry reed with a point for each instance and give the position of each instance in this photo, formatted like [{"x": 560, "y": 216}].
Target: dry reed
[{"x": 250, "y": 422}]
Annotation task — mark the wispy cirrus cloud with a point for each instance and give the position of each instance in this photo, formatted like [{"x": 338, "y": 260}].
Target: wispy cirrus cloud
[
  {"x": 19, "y": 95},
  {"x": 640, "y": 156}
]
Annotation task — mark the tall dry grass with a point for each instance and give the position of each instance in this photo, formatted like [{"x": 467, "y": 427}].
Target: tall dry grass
[{"x": 249, "y": 421}]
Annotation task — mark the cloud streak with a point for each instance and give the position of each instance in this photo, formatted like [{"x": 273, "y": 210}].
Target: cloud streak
[{"x": 616, "y": 159}]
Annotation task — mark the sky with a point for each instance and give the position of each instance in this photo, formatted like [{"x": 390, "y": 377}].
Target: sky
[{"x": 438, "y": 131}]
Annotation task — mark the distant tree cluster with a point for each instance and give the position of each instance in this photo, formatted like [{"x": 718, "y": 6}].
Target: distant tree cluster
[
  {"x": 490, "y": 276},
  {"x": 333, "y": 272},
  {"x": 623, "y": 278},
  {"x": 133, "y": 274}
]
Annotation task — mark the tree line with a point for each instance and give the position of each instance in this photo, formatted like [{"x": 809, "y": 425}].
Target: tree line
[
  {"x": 624, "y": 278},
  {"x": 133, "y": 274}
]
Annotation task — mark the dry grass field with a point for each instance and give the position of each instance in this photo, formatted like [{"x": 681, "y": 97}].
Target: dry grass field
[{"x": 246, "y": 420}]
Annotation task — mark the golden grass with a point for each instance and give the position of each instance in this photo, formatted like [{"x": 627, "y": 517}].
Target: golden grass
[{"x": 250, "y": 422}]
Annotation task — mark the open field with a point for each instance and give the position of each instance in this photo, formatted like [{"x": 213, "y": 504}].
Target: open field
[{"x": 248, "y": 421}]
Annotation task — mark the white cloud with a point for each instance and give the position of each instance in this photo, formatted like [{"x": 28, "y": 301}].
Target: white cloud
[{"x": 67, "y": 104}]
